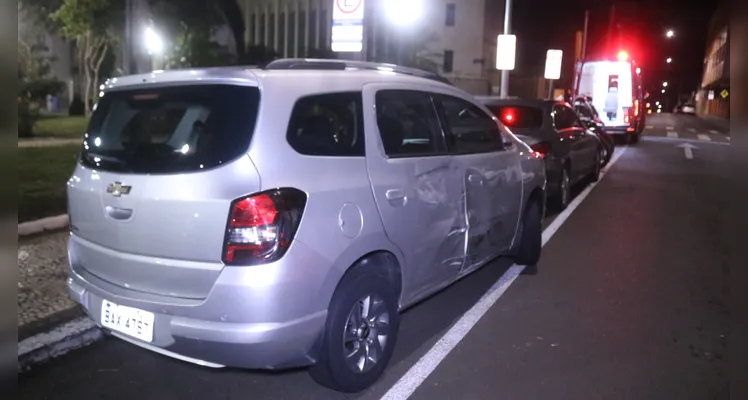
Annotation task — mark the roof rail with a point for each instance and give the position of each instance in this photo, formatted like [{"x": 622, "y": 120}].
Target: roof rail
[{"x": 341, "y": 65}]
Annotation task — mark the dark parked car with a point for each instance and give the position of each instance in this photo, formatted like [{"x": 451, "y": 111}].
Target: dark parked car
[
  {"x": 552, "y": 128},
  {"x": 589, "y": 117}
]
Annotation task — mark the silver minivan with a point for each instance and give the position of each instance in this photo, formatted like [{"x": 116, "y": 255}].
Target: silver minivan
[{"x": 284, "y": 216}]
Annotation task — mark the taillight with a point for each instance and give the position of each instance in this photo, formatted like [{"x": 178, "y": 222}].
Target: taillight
[
  {"x": 541, "y": 150},
  {"x": 261, "y": 227},
  {"x": 636, "y": 108}
]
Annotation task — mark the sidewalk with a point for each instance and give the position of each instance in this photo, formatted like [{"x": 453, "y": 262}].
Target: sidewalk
[
  {"x": 46, "y": 142},
  {"x": 43, "y": 301}
]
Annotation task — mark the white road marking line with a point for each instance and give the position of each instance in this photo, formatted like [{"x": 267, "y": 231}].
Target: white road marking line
[
  {"x": 672, "y": 134},
  {"x": 691, "y": 129},
  {"x": 670, "y": 128},
  {"x": 728, "y": 138},
  {"x": 650, "y": 126},
  {"x": 687, "y": 150},
  {"x": 713, "y": 131},
  {"x": 417, "y": 374},
  {"x": 704, "y": 137}
]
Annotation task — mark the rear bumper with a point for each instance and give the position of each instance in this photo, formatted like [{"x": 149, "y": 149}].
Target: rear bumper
[{"x": 261, "y": 317}]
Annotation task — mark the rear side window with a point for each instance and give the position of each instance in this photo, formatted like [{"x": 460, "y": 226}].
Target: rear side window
[
  {"x": 470, "y": 129},
  {"x": 408, "y": 123},
  {"x": 522, "y": 117},
  {"x": 170, "y": 130},
  {"x": 328, "y": 125},
  {"x": 565, "y": 118}
]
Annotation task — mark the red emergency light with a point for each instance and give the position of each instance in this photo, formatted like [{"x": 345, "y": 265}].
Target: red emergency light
[{"x": 623, "y": 55}]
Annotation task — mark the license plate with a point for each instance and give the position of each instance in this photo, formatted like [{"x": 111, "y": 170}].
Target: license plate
[{"x": 128, "y": 320}]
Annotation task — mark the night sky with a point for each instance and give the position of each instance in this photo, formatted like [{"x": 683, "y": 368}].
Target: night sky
[{"x": 543, "y": 24}]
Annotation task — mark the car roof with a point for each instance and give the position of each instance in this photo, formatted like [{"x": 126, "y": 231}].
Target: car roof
[
  {"x": 301, "y": 76},
  {"x": 518, "y": 101}
]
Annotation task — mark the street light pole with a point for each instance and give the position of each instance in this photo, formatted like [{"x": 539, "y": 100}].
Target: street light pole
[{"x": 507, "y": 30}]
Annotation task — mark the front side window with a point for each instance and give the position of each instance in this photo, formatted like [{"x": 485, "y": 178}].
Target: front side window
[
  {"x": 470, "y": 129},
  {"x": 170, "y": 130},
  {"x": 328, "y": 125},
  {"x": 408, "y": 123}
]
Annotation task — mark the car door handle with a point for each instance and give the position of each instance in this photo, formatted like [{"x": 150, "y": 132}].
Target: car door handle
[
  {"x": 474, "y": 178},
  {"x": 118, "y": 213},
  {"x": 396, "y": 196}
]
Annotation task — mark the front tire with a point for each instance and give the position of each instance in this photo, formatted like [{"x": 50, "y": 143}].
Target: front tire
[
  {"x": 531, "y": 236},
  {"x": 360, "y": 332}
]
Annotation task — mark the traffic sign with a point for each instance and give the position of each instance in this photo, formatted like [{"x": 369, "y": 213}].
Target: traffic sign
[
  {"x": 506, "y": 47},
  {"x": 348, "y": 26},
  {"x": 724, "y": 93},
  {"x": 553, "y": 64}
]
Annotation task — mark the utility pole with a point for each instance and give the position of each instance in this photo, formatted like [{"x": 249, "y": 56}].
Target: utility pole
[
  {"x": 507, "y": 31},
  {"x": 583, "y": 57},
  {"x": 127, "y": 45},
  {"x": 611, "y": 25}
]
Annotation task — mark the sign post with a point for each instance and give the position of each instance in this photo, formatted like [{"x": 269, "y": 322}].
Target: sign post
[
  {"x": 348, "y": 26},
  {"x": 552, "y": 68}
]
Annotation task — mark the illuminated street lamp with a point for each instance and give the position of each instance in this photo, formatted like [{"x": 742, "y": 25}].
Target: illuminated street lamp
[
  {"x": 664, "y": 84},
  {"x": 670, "y": 33},
  {"x": 403, "y": 12},
  {"x": 153, "y": 42},
  {"x": 669, "y": 60},
  {"x": 663, "y": 91}
]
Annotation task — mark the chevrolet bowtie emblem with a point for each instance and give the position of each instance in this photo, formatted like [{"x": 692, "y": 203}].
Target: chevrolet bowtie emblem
[{"x": 117, "y": 189}]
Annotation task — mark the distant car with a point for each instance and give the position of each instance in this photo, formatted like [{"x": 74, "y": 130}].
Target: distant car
[
  {"x": 553, "y": 130},
  {"x": 688, "y": 109}
]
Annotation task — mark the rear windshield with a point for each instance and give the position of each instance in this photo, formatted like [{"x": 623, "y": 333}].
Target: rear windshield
[
  {"x": 170, "y": 130},
  {"x": 522, "y": 117}
]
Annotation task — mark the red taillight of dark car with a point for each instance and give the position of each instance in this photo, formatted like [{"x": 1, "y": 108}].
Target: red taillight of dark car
[
  {"x": 261, "y": 227},
  {"x": 541, "y": 150}
]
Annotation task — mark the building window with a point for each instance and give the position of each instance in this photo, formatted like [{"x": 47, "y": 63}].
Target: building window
[
  {"x": 449, "y": 56},
  {"x": 451, "y": 9}
]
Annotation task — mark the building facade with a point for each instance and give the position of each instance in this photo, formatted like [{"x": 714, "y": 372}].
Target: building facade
[
  {"x": 713, "y": 97},
  {"x": 455, "y": 39}
]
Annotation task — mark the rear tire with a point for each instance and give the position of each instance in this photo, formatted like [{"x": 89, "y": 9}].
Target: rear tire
[
  {"x": 562, "y": 197},
  {"x": 531, "y": 236},
  {"x": 343, "y": 343}
]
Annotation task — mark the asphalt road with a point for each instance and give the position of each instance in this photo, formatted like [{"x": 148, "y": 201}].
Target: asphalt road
[{"x": 629, "y": 302}]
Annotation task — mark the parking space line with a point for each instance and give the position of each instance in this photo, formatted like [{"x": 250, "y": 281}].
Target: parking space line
[
  {"x": 670, "y": 128},
  {"x": 691, "y": 129},
  {"x": 672, "y": 134},
  {"x": 704, "y": 137},
  {"x": 713, "y": 131},
  {"x": 650, "y": 126},
  {"x": 420, "y": 371}
]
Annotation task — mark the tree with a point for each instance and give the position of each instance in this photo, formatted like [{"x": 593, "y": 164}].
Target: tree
[
  {"x": 94, "y": 26},
  {"x": 190, "y": 26},
  {"x": 34, "y": 72}
]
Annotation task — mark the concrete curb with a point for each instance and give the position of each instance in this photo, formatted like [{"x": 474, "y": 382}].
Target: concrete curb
[
  {"x": 69, "y": 336},
  {"x": 41, "y": 225}
]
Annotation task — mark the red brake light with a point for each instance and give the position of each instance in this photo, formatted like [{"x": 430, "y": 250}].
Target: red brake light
[
  {"x": 253, "y": 211},
  {"x": 508, "y": 116},
  {"x": 261, "y": 227},
  {"x": 540, "y": 150},
  {"x": 636, "y": 108}
]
